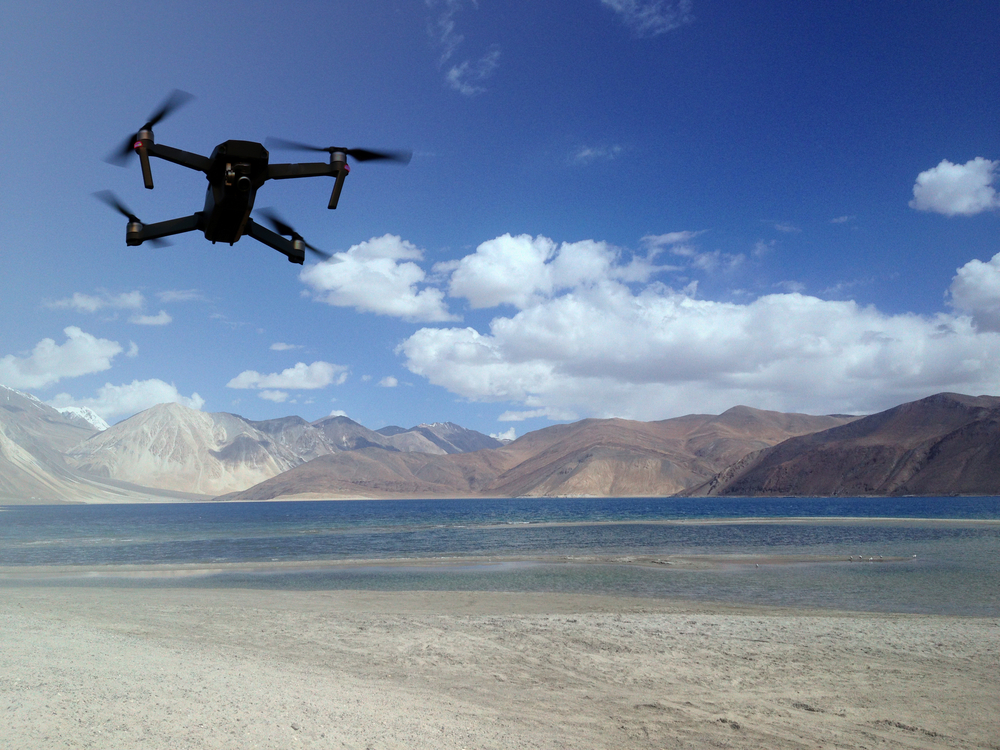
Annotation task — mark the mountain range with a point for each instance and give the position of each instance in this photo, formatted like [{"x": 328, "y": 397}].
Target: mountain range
[{"x": 944, "y": 444}]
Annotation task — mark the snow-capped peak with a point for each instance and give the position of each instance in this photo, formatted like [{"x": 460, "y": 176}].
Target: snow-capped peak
[{"x": 87, "y": 414}]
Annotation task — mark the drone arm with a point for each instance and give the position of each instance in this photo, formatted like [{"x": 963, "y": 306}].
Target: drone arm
[
  {"x": 312, "y": 169},
  {"x": 196, "y": 162},
  {"x": 336, "y": 168},
  {"x": 160, "y": 229},
  {"x": 276, "y": 241}
]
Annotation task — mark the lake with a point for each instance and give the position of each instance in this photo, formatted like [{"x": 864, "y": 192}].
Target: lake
[{"x": 918, "y": 555}]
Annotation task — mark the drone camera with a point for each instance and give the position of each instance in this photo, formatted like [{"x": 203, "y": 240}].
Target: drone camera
[{"x": 239, "y": 175}]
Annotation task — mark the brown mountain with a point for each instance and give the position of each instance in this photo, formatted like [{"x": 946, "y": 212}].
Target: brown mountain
[
  {"x": 944, "y": 444},
  {"x": 593, "y": 457},
  {"x": 380, "y": 473},
  {"x": 941, "y": 445}
]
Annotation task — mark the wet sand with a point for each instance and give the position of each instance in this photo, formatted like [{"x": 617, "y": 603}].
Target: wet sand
[{"x": 229, "y": 668}]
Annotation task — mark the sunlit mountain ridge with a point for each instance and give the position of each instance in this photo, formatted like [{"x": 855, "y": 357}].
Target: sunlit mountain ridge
[{"x": 944, "y": 444}]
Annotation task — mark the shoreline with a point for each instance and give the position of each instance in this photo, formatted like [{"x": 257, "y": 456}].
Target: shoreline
[
  {"x": 236, "y": 668},
  {"x": 766, "y": 520},
  {"x": 177, "y": 570}
]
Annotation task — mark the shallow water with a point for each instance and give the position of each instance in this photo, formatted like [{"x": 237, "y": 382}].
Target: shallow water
[{"x": 938, "y": 565}]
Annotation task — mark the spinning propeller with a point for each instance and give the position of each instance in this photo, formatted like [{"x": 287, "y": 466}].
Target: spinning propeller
[
  {"x": 338, "y": 159},
  {"x": 358, "y": 154},
  {"x": 176, "y": 99},
  {"x": 112, "y": 200},
  {"x": 285, "y": 230}
]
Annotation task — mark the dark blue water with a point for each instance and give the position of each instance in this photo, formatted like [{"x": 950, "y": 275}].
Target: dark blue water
[{"x": 938, "y": 565}]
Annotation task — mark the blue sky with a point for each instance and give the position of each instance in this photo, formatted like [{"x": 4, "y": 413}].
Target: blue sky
[{"x": 614, "y": 208}]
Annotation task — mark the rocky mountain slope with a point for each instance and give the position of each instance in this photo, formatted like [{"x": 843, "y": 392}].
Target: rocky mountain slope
[
  {"x": 941, "y": 445},
  {"x": 171, "y": 452},
  {"x": 173, "y": 447},
  {"x": 944, "y": 444},
  {"x": 34, "y": 440},
  {"x": 591, "y": 457},
  {"x": 439, "y": 437}
]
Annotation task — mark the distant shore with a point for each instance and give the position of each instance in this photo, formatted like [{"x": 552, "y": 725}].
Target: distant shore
[
  {"x": 231, "y": 668},
  {"x": 167, "y": 496}
]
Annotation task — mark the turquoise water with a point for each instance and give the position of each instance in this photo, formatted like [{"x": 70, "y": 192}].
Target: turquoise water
[{"x": 944, "y": 552}]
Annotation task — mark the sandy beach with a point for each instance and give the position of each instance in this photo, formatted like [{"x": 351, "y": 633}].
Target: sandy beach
[{"x": 208, "y": 668}]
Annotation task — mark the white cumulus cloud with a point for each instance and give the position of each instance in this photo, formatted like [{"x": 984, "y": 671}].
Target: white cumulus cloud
[
  {"x": 655, "y": 353},
  {"x": 957, "y": 189},
  {"x": 976, "y": 290},
  {"x": 523, "y": 270},
  {"x": 114, "y": 402},
  {"x": 506, "y": 270},
  {"x": 49, "y": 362},
  {"x": 379, "y": 276},
  {"x": 299, "y": 377}
]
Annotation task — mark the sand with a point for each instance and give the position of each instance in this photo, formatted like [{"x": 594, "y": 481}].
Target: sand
[{"x": 197, "y": 668}]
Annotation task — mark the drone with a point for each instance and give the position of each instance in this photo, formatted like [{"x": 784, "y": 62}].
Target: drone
[{"x": 235, "y": 171}]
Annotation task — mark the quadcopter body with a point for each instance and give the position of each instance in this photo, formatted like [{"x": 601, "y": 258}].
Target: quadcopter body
[
  {"x": 238, "y": 168},
  {"x": 235, "y": 171}
]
